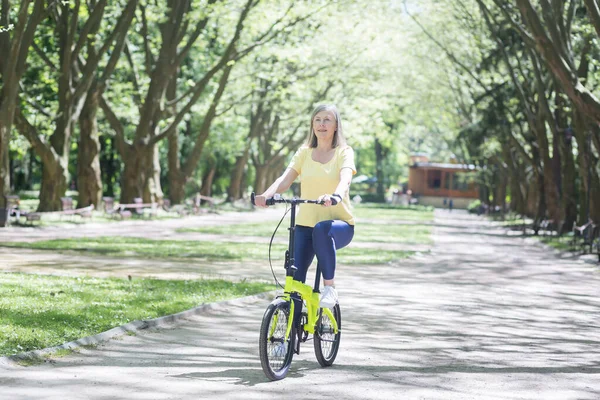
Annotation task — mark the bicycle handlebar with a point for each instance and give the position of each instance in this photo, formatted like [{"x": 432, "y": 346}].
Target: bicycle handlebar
[{"x": 293, "y": 200}]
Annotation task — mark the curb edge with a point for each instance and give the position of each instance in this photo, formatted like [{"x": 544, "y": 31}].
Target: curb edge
[{"x": 133, "y": 326}]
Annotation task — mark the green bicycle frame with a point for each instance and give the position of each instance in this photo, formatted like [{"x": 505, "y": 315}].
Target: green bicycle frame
[
  {"x": 312, "y": 306},
  {"x": 308, "y": 294}
]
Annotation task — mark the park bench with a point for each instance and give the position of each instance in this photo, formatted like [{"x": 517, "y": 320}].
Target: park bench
[
  {"x": 69, "y": 210},
  {"x": 548, "y": 227},
  {"x": 583, "y": 236},
  {"x": 199, "y": 199},
  {"x": 112, "y": 211},
  {"x": 140, "y": 208},
  {"x": 180, "y": 209},
  {"x": 12, "y": 208}
]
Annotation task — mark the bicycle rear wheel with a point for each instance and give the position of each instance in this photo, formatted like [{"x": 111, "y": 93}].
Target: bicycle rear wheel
[
  {"x": 325, "y": 340},
  {"x": 275, "y": 351}
]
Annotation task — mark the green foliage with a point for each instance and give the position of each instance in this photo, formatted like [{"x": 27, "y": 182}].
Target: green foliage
[{"x": 389, "y": 80}]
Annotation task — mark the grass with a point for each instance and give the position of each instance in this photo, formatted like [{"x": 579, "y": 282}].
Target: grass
[
  {"x": 364, "y": 232},
  {"x": 368, "y": 230},
  {"x": 388, "y": 212},
  {"x": 38, "y": 311},
  {"x": 192, "y": 249}
]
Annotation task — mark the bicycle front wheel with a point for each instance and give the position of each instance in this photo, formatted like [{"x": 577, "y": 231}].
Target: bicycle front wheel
[
  {"x": 326, "y": 341},
  {"x": 275, "y": 351}
]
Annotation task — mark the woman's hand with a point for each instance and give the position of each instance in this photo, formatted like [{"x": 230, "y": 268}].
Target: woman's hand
[
  {"x": 330, "y": 199},
  {"x": 260, "y": 201}
]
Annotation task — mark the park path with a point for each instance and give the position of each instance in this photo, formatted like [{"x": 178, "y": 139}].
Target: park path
[
  {"x": 77, "y": 263},
  {"x": 483, "y": 316}
]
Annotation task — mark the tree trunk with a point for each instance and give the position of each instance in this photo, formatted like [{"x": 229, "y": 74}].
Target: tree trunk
[
  {"x": 208, "y": 177},
  {"x": 176, "y": 179},
  {"x": 260, "y": 178},
  {"x": 4, "y": 161},
  {"x": 55, "y": 181},
  {"x": 89, "y": 182},
  {"x": 108, "y": 165},
  {"x": 12, "y": 67},
  {"x": 153, "y": 189},
  {"x": 379, "y": 169},
  {"x": 587, "y": 171},
  {"x": 552, "y": 197},
  {"x": 569, "y": 197},
  {"x": 133, "y": 178},
  {"x": 235, "y": 190}
]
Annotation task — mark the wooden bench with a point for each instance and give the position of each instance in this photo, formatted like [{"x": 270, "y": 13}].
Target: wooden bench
[
  {"x": 70, "y": 210},
  {"x": 112, "y": 211},
  {"x": 139, "y": 207},
  {"x": 33, "y": 216},
  {"x": 199, "y": 198},
  {"x": 583, "y": 236},
  {"x": 12, "y": 208}
]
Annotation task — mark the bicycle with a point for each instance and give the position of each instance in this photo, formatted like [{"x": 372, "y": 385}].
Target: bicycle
[{"x": 281, "y": 333}]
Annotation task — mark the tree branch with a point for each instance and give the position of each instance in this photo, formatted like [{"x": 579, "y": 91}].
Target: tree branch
[
  {"x": 43, "y": 56},
  {"x": 594, "y": 13},
  {"x": 42, "y": 148},
  {"x": 446, "y": 51},
  {"x": 91, "y": 26},
  {"x": 144, "y": 32},
  {"x": 192, "y": 161},
  {"x": 116, "y": 125},
  {"x": 194, "y": 36}
]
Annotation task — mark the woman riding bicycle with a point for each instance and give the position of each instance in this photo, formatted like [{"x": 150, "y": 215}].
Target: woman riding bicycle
[{"x": 325, "y": 165}]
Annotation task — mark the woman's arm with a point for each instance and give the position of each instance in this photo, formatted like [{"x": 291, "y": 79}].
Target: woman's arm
[
  {"x": 341, "y": 188},
  {"x": 280, "y": 185},
  {"x": 345, "y": 180}
]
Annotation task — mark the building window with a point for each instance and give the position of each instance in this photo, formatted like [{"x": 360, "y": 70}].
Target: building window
[{"x": 434, "y": 179}]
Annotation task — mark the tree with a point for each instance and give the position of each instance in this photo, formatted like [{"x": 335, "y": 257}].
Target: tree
[
  {"x": 14, "y": 42},
  {"x": 74, "y": 78}
]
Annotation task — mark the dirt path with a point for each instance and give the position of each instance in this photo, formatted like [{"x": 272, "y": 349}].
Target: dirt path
[{"x": 484, "y": 316}]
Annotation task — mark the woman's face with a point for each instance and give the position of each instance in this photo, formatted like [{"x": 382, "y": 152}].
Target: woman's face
[{"x": 324, "y": 125}]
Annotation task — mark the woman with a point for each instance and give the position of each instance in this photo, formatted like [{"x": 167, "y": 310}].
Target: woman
[{"x": 325, "y": 165}]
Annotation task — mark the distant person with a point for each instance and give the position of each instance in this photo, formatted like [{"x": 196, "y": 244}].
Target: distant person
[{"x": 450, "y": 204}]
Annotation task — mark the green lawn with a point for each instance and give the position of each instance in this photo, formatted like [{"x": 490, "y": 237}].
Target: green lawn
[
  {"x": 192, "y": 249},
  {"x": 364, "y": 232},
  {"x": 38, "y": 311},
  {"x": 385, "y": 212}
]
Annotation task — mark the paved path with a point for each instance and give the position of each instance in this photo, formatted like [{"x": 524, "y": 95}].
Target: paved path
[{"x": 484, "y": 316}]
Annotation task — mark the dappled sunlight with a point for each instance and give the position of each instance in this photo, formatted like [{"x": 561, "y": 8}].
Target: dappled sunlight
[{"x": 478, "y": 317}]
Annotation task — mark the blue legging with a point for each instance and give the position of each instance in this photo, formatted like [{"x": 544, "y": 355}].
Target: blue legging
[{"x": 322, "y": 240}]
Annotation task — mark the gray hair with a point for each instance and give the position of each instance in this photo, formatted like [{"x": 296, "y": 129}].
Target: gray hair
[{"x": 338, "y": 136}]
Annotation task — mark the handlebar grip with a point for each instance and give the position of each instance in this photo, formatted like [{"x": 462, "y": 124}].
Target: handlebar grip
[{"x": 269, "y": 202}]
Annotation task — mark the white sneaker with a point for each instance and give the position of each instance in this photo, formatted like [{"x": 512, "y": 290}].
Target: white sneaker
[{"x": 329, "y": 297}]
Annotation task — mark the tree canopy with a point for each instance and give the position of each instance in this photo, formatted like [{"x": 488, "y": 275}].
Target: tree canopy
[{"x": 135, "y": 98}]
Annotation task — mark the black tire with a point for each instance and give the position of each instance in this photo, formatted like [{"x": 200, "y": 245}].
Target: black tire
[
  {"x": 326, "y": 342},
  {"x": 275, "y": 352}
]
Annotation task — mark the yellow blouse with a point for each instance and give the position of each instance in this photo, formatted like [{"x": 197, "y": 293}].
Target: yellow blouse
[{"x": 317, "y": 179}]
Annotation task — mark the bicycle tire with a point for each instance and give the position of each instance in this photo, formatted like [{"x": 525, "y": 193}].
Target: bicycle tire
[
  {"x": 275, "y": 353},
  {"x": 326, "y": 342}
]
